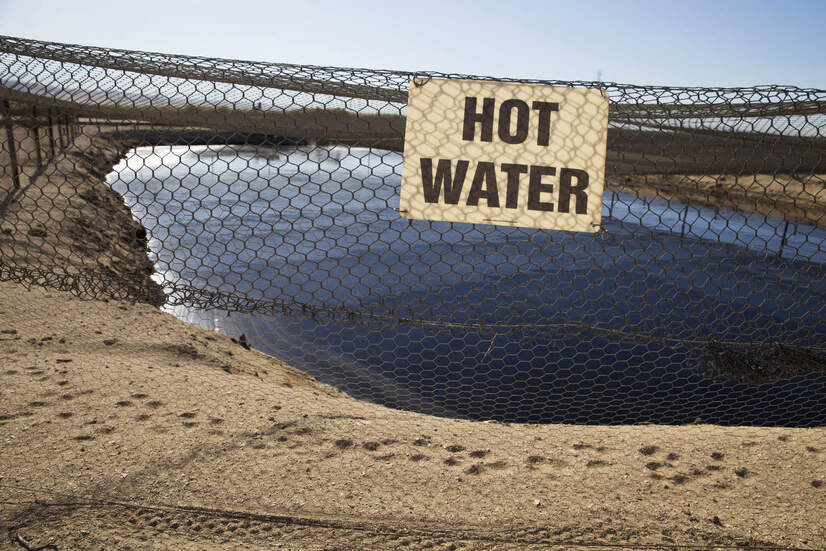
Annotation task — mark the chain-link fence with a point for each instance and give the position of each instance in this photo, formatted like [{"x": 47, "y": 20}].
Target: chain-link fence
[{"x": 267, "y": 196}]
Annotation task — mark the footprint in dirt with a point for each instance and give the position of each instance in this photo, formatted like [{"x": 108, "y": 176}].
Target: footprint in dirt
[
  {"x": 545, "y": 465},
  {"x": 479, "y": 468},
  {"x": 649, "y": 450}
]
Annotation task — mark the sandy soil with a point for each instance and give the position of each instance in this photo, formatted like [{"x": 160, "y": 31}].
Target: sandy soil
[{"x": 124, "y": 428}]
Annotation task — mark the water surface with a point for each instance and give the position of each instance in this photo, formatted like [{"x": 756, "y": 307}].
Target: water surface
[{"x": 611, "y": 327}]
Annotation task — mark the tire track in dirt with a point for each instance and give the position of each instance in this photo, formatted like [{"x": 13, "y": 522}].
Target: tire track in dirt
[{"x": 75, "y": 524}]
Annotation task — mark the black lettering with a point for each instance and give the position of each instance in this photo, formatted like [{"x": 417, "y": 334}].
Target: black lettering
[
  {"x": 485, "y": 174},
  {"x": 536, "y": 187},
  {"x": 522, "y": 116},
  {"x": 545, "y": 109},
  {"x": 513, "y": 172},
  {"x": 565, "y": 190},
  {"x": 472, "y": 117},
  {"x": 452, "y": 184}
]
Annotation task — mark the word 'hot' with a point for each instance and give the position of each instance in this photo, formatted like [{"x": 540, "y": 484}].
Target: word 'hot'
[{"x": 508, "y": 110}]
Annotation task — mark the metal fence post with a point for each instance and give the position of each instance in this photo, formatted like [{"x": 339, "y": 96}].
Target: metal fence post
[
  {"x": 15, "y": 176},
  {"x": 783, "y": 240},
  {"x": 51, "y": 134},
  {"x": 684, "y": 215},
  {"x": 36, "y": 129},
  {"x": 60, "y": 131}
]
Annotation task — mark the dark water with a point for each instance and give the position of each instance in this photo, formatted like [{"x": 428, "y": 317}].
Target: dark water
[{"x": 319, "y": 227}]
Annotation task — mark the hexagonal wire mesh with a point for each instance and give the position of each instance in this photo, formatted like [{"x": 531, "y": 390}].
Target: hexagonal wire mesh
[{"x": 267, "y": 198}]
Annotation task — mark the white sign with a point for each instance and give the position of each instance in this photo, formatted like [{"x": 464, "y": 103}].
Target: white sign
[{"x": 504, "y": 153}]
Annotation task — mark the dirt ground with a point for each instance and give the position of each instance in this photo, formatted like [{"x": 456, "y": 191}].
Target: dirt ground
[{"x": 122, "y": 427}]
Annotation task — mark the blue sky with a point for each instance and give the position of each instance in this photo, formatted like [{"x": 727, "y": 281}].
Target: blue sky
[{"x": 700, "y": 43}]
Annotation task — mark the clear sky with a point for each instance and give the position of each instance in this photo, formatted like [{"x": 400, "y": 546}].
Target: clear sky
[{"x": 695, "y": 43}]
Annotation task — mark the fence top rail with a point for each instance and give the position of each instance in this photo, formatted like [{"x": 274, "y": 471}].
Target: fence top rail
[{"x": 375, "y": 84}]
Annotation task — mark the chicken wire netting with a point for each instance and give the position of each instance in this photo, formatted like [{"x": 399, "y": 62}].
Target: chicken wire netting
[{"x": 265, "y": 202}]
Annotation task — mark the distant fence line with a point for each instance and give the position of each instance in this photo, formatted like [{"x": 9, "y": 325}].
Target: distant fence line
[{"x": 59, "y": 128}]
